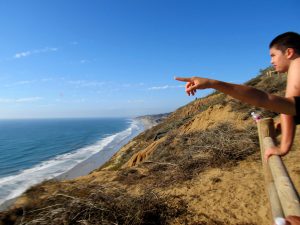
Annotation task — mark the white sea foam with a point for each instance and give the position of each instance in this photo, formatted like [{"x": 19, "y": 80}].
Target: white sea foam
[{"x": 13, "y": 186}]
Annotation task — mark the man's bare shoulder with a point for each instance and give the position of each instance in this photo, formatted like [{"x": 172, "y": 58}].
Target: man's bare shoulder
[
  {"x": 293, "y": 87},
  {"x": 295, "y": 64},
  {"x": 294, "y": 69}
]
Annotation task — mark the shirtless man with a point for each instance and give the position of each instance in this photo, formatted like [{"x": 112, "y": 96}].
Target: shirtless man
[{"x": 285, "y": 57}]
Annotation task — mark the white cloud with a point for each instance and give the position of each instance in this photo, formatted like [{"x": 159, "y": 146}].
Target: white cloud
[
  {"x": 165, "y": 87},
  {"x": 135, "y": 101},
  {"x": 18, "y": 83},
  {"x": 20, "y": 100},
  {"x": 27, "y": 82},
  {"x": 24, "y": 82},
  {"x": 22, "y": 54},
  {"x": 46, "y": 79},
  {"x": 126, "y": 85},
  {"x": 30, "y": 99},
  {"x": 85, "y": 83},
  {"x": 129, "y": 85},
  {"x": 36, "y": 51},
  {"x": 84, "y": 61},
  {"x": 71, "y": 101},
  {"x": 6, "y": 100}
]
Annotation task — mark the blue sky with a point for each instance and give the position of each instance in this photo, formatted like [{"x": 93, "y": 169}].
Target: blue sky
[{"x": 117, "y": 58}]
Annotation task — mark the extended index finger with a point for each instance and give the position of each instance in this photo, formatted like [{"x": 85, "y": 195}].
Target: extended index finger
[{"x": 184, "y": 79}]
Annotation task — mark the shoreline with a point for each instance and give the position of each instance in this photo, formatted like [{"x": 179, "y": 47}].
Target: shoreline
[
  {"x": 100, "y": 158},
  {"x": 94, "y": 161}
]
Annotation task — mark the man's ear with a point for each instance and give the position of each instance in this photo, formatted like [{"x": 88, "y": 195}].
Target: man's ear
[{"x": 289, "y": 52}]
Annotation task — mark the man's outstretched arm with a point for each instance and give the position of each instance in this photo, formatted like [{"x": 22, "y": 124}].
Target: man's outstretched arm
[{"x": 243, "y": 93}]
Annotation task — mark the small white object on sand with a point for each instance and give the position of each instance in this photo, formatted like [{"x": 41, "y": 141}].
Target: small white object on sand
[{"x": 280, "y": 221}]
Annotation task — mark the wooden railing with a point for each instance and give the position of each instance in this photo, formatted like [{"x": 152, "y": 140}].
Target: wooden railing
[{"x": 283, "y": 197}]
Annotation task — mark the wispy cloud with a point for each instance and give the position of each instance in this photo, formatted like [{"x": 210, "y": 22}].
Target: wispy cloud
[
  {"x": 22, "y": 54},
  {"x": 85, "y": 83},
  {"x": 27, "y": 82},
  {"x": 79, "y": 100},
  {"x": 20, "y": 100},
  {"x": 135, "y": 101},
  {"x": 20, "y": 83},
  {"x": 165, "y": 87},
  {"x": 84, "y": 61},
  {"x": 30, "y": 99},
  {"x": 74, "y": 43},
  {"x": 126, "y": 85},
  {"x": 19, "y": 55},
  {"x": 130, "y": 85},
  {"x": 46, "y": 79}
]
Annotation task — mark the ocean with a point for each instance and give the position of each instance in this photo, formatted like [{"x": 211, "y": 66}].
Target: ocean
[{"x": 32, "y": 151}]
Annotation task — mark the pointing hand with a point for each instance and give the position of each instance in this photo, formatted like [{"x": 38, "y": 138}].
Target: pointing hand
[{"x": 194, "y": 83}]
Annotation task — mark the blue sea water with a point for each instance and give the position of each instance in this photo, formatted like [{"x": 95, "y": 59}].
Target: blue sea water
[{"x": 35, "y": 150}]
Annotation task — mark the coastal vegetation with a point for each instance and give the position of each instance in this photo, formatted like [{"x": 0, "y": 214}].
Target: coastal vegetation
[{"x": 200, "y": 165}]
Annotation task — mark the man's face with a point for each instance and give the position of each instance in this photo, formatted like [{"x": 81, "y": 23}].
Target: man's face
[{"x": 279, "y": 60}]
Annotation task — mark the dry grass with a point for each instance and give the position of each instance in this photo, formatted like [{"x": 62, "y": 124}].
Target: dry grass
[
  {"x": 103, "y": 207},
  {"x": 223, "y": 144},
  {"x": 180, "y": 158}
]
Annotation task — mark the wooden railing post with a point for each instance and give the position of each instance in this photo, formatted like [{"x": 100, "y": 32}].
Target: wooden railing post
[
  {"x": 266, "y": 129},
  {"x": 283, "y": 197}
]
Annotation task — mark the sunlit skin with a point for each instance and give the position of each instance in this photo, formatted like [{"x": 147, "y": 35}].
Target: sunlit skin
[
  {"x": 279, "y": 60},
  {"x": 287, "y": 61},
  {"x": 292, "y": 220}
]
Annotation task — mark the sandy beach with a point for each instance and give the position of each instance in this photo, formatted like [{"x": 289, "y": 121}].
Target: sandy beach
[{"x": 98, "y": 159}]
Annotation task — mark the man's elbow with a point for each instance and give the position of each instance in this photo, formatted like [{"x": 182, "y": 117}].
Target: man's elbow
[{"x": 279, "y": 104}]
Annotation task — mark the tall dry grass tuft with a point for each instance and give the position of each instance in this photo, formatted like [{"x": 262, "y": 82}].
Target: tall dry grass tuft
[
  {"x": 103, "y": 207},
  {"x": 182, "y": 157}
]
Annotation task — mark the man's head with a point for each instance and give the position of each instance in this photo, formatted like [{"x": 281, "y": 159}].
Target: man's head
[{"x": 283, "y": 49}]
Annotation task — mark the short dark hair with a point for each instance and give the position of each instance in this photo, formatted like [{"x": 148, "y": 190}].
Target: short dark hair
[{"x": 287, "y": 40}]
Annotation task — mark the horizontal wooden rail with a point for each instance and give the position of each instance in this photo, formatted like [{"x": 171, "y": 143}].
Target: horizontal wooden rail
[
  {"x": 283, "y": 197},
  {"x": 287, "y": 193}
]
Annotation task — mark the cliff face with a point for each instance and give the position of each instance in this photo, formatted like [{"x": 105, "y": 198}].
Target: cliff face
[{"x": 200, "y": 165}]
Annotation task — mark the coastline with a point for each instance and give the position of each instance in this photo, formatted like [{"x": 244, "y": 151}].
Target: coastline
[
  {"x": 96, "y": 160},
  {"x": 101, "y": 157}
]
